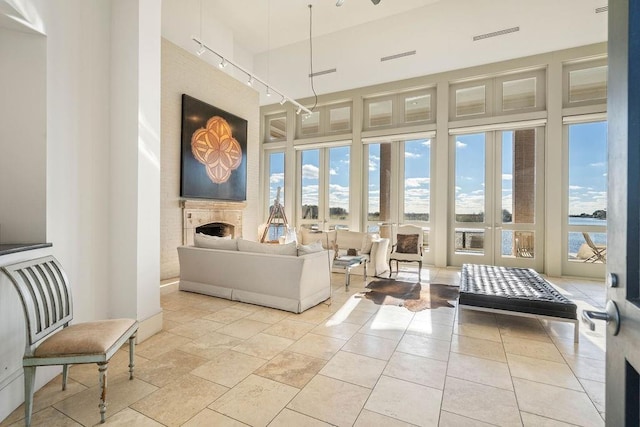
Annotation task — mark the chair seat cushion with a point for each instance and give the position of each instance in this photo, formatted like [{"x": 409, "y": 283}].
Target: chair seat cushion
[
  {"x": 397, "y": 256},
  {"x": 84, "y": 338}
]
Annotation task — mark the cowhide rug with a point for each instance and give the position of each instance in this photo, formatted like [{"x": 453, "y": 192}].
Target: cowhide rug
[{"x": 412, "y": 296}]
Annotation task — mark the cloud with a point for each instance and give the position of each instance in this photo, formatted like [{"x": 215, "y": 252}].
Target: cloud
[
  {"x": 507, "y": 177},
  {"x": 426, "y": 143},
  {"x": 416, "y": 182},
  {"x": 575, "y": 187},
  {"x": 310, "y": 172},
  {"x": 310, "y": 195},
  {"x": 460, "y": 144},
  {"x": 374, "y": 162},
  {"x": 275, "y": 178},
  {"x": 598, "y": 164},
  {"x": 410, "y": 155},
  {"x": 333, "y": 172}
]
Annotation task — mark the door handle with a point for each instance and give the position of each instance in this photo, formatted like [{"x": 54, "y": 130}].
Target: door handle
[{"x": 611, "y": 315}]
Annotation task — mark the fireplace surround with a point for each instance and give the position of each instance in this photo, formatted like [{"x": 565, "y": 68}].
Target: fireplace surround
[{"x": 221, "y": 218}]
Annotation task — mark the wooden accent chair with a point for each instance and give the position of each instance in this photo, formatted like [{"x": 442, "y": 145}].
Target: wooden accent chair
[
  {"x": 46, "y": 298},
  {"x": 407, "y": 247},
  {"x": 599, "y": 251}
]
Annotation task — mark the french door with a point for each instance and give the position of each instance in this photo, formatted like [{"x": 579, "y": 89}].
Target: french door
[{"x": 496, "y": 198}]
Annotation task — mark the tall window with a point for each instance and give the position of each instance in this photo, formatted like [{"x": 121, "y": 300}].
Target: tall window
[
  {"x": 406, "y": 199},
  {"x": 324, "y": 190},
  {"x": 587, "y": 197},
  {"x": 276, "y": 183}
]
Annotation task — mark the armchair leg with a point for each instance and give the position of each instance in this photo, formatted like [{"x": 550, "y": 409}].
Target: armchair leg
[
  {"x": 65, "y": 376},
  {"x": 29, "y": 382},
  {"x": 391, "y": 269},
  {"x": 102, "y": 369},
  {"x": 419, "y": 271},
  {"x": 132, "y": 349}
]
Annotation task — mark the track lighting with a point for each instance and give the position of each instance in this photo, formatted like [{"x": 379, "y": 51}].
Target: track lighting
[
  {"x": 200, "y": 50},
  {"x": 339, "y": 3},
  {"x": 251, "y": 77}
]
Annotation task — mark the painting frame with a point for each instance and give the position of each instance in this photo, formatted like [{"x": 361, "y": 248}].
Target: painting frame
[{"x": 213, "y": 152}]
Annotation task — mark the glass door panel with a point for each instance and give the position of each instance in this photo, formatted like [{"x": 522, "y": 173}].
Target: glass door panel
[{"x": 310, "y": 188}]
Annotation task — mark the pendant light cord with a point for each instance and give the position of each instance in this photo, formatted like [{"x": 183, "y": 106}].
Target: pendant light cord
[{"x": 313, "y": 89}]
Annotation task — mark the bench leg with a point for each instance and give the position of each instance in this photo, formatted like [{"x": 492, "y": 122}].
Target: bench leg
[
  {"x": 65, "y": 376},
  {"x": 102, "y": 369},
  {"x": 576, "y": 330},
  {"x": 29, "y": 382}
]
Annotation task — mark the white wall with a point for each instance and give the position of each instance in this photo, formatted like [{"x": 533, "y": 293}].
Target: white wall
[
  {"x": 86, "y": 160},
  {"x": 22, "y": 137},
  {"x": 183, "y": 72}
]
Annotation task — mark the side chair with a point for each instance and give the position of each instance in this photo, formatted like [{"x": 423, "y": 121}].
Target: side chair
[
  {"x": 407, "y": 247},
  {"x": 51, "y": 340}
]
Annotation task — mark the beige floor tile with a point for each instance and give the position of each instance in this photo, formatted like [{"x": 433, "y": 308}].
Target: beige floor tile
[
  {"x": 428, "y": 329},
  {"x": 228, "y": 368},
  {"x": 180, "y": 400},
  {"x": 379, "y": 329},
  {"x": 211, "y": 345},
  {"x": 228, "y": 315},
  {"x": 587, "y": 369},
  {"x": 49, "y": 417},
  {"x": 251, "y": 308},
  {"x": 478, "y": 347},
  {"x": 212, "y": 304},
  {"x": 441, "y": 316},
  {"x": 87, "y": 374},
  {"x": 244, "y": 328},
  {"x": 370, "y": 345},
  {"x": 425, "y": 347},
  {"x": 583, "y": 349},
  {"x": 373, "y": 419},
  {"x": 485, "y": 332},
  {"x": 184, "y": 315},
  {"x": 536, "y": 349},
  {"x": 169, "y": 324},
  {"x": 129, "y": 417},
  {"x": 354, "y": 368},
  {"x": 315, "y": 315},
  {"x": 478, "y": 370},
  {"x": 330, "y": 400},
  {"x": 289, "y": 418},
  {"x": 448, "y": 419},
  {"x": 474, "y": 317},
  {"x": 289, "y": 328},
  {"x": 196, "y": 328},
  {"x": 558, "y": 403},
  {"x": 159, "y": 344},
  {"x": 168, "y": 368},
  {"x": 405, "y": 401},
  {"x": 343, "y": 330},
  {"x": 357, "y": 317},
  {"x": 255, "y": 401},
  {"x": 269, "y": 315},
  {"x": 523, "y": 327},
  {"x": 317, "y": 346},
  {"x": 596, "y": 392},
  {"x": 543, "y": 371},
  {"x": 531, "y": 420},
  {"x": 122, "y": 392},
  {"x": 417, "y": 369},
  {"x": 290, "y": 368},
  {"x": 481, "y": 402},
  {"x": 263, "y": 346},
  {"x": 209, "y": 418}
]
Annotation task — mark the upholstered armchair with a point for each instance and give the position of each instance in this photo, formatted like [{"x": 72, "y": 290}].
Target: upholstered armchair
[{"x": 407, "y": 247}]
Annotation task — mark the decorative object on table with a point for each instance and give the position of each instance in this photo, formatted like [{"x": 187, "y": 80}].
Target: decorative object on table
[
  {"x": 412, "y": 296},
  {"x": 277, "y": 225},
  {"x": 214, "y": 152}
]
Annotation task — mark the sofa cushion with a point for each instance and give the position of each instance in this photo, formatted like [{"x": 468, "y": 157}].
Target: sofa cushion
[
  {"x": 310, "y": 248},
  {"x": 367, "y": 242},
  {"x": 266, "y": 248},
  {"x": 349, "y": 239},
  {"x": 212, "y": 242},
  {"x": 307, "y": 236}
]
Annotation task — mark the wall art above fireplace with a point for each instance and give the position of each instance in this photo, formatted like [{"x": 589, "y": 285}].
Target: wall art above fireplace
[{"x": 214, "y": 152}]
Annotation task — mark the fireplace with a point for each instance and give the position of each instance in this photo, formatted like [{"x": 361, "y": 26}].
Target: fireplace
[{"x": 211, "y": 217}]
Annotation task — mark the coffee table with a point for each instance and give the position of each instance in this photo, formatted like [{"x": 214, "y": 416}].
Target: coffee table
[{"x": 347, "y": 263}]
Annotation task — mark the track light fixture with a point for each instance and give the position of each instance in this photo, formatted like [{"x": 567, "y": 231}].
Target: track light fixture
[
  {"x": 341, "y": 2},
  {"x": 200, "y": 50},
  {"x": 252, "y": 77}
]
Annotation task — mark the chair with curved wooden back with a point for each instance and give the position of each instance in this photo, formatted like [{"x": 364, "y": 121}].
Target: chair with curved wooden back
[
  {"x": 407, "y": 247},
  {"x": 46, "y": 298}
]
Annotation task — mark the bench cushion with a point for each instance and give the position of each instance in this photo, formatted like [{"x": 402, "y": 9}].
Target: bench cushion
[{"x": 513, "y": 289}]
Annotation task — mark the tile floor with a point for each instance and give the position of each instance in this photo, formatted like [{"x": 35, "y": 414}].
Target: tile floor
[{"x": 351, "y": 363}]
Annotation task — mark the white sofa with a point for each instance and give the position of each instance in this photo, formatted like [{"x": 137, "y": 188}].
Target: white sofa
[
  {"x": 371, "y": 246},
  {"x": 287, "y": 282}
]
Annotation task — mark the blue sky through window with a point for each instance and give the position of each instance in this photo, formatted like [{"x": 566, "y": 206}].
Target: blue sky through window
[{"x": 587, "y": 168}]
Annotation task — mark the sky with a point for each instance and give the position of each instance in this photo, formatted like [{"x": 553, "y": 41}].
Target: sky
[{"x": 587, "y": 172}]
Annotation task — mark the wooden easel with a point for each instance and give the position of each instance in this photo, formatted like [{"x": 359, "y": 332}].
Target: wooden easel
[{"x": 277, "y": 217}]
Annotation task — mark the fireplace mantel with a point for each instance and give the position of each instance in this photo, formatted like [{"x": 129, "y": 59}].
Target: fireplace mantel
[{"x": 199, "y": 212}]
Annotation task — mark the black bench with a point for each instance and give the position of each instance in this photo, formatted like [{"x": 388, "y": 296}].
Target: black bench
[{"x": 516, "y": 291}]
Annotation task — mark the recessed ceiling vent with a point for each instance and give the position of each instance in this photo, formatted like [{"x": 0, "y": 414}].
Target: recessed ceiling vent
[
  {"x": 602, "y": 9},
  {"x": 320, "y": 73},
  {"x": 397, "y": 55},
  {"x": 496, "y": 33}
]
